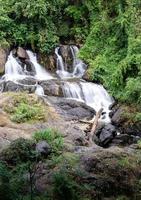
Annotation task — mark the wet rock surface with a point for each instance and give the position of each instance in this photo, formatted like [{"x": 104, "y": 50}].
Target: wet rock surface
[
  {"x": 18, "y": 87},
  {"x": 72, "y": 109}
]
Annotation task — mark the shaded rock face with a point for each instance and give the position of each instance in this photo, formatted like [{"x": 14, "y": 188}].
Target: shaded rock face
[
  {"x": 71, "y": 109},
  {"x": 66, "y": 54},
  {"x": 3, "y": 58},
  {"x": 52, "y": 88},
  {"x": 123, "y": 122},
  {"x": 16, "y": 87},
  {"x": 48, "y": 61},
  {"x": 124, "y": 140},
  {"x": 105, "y": 134},
  {"x": 112, "y": 171},
  {"x": 30, "y": 69}
]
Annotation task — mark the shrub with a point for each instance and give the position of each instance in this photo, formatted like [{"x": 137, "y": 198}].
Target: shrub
[
  {"x": 52, "y": 136},
  {"x": 65, "y": 187},
  {"x": 24, "y": 107},
  {"x": 25, "y": 112},
  {"x": 6, "y": 191},
  {"x": 20, "y": 150}
]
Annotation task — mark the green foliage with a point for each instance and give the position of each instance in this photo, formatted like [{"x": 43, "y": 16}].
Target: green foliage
[
  {"x": 139, "y": 144},
  {"x": 113, "y": 48},
  {"x": 65, "y": 187},
  {"x": 52, "y": 136},
  {"x": 25, "y": 112},
  {"x": 25, "y": 108},
  {"x": 41, "y": 23},
  {"x": 20, "y": 150},
  {"x": 122, "y": 198},
  {"x": 6, "y": 190}
]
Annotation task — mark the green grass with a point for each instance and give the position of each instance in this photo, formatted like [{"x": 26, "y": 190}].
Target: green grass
[
  {"x": 25, "y": 112},
  {"x": 52, "y": 136},
  {"x": 23, "y": 107},
  {"x": 139, "y": 144}
]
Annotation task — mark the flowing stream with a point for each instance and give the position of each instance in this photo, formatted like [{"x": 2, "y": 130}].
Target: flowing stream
[{"x": 70, "y": 75}]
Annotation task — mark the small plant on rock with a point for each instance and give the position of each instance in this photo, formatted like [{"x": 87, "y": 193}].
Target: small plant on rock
[
  {"x": 52, "y": 136},
  {"x": 23, "y": 107}
]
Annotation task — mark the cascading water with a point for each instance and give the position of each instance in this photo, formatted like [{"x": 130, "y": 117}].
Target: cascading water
[
  {"x": 72, "y": 90},
  {"x": 93, "y": 95},
  {"x": 13, "y": 69},
  {"x": 39, "y": 90},
  {"x": 78, "y": 67},
  {"x": 62, "y": 73},
  {"x": 41, "y": 73}
]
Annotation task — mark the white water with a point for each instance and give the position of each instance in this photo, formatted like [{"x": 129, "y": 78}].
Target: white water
[
  {"x": 41, "y": 73},
  {"x": 92, "y": 94},
  {"x": 13, "y": 69},
  {"x": 78, "y": 66},
  {"x": 62, "y": 73},
  {"x": 72, "y": 90},
  {"x": 39, "y": 90}
]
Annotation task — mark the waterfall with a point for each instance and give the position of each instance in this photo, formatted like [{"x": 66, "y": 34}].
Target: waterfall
[
  {"x": 13, "y": 69},
  {"x": 39, "y": 90},
  {"x": 72, "y": 90},
  {"x": 41, "y": 73},
  {"x": 62, "y": 73},
  {"x": 92, "y": 94},
  {"x": 78, "y": 66}
]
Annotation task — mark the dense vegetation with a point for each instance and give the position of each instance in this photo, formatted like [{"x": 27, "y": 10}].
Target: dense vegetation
[
  {"x": 113, "y": 48},
  {"x": 40, "y": 23},
  {"x": 109, "y": 31}
]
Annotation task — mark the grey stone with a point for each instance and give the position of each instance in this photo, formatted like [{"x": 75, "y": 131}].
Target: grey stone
[{"x": 43, "y": 147}]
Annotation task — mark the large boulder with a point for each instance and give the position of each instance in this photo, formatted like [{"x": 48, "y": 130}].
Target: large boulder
[
  {"x": 3, "y": 58},
  {"x": 48, "y": 61},
  {"x": 21, "y": 53},
  {"x": 72, "y": 109},
  {"x": 122, "y": 118},
  {"x": 15, "y": 87},
  {"x": 105, "y": 134},
  {"x": 52, "y": 88}
]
